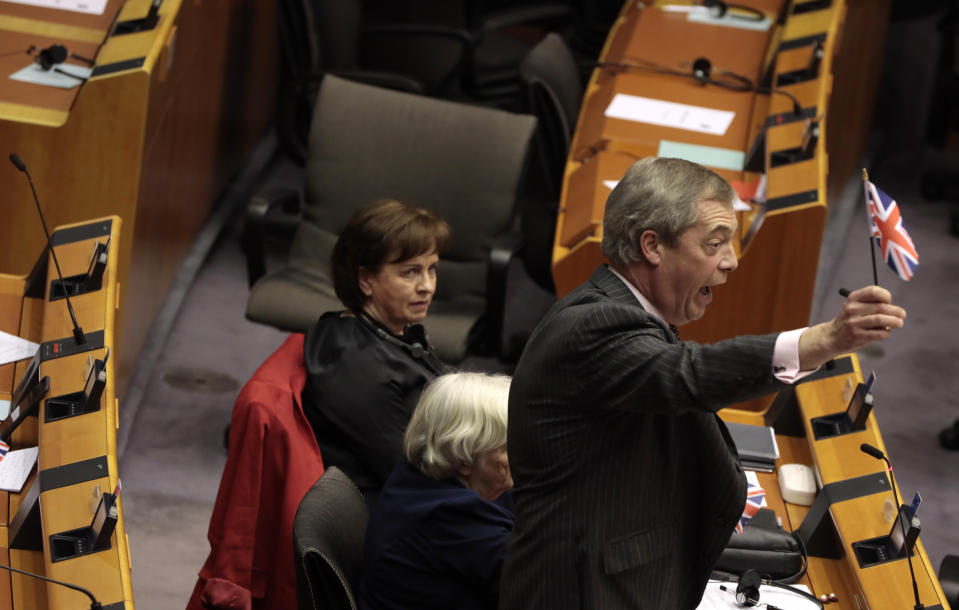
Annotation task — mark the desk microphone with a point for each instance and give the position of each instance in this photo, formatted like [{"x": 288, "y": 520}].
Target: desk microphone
[
  {"x": 94, "y": 604},
  {"x": 879, "y": 455},
  {"x": 77, "y": 331}
]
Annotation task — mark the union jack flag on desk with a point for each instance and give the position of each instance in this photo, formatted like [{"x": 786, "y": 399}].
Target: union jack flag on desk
[
  {"x": 755, "y": 499},
  {"x": 3, "y": 449},
  {"x": 886, "y": 224}
]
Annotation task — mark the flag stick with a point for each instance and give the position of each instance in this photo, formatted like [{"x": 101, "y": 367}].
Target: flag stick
[{"x": 872, "y": 241}]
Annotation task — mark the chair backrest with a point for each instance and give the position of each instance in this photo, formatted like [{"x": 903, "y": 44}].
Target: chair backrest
[
  {"x": 553, "y": 91},
  {"x": 328, "y": 534},
  {"x": 338, "y": 30},
  {"x": 318, "y": 35},
  {"x": 462, "y": 162}
]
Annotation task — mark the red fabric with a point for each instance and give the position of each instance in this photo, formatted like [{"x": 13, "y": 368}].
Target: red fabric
[{"x": 273, "y": 461}]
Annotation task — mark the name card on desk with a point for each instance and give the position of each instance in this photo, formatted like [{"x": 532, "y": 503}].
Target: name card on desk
[{"x": 670, "y": 114}]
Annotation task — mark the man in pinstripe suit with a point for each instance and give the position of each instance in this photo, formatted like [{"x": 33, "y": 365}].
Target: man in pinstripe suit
[{"x": 628, "y": 485}]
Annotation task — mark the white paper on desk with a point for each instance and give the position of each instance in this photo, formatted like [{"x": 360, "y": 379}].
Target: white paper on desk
[
  {"x": 13, "y": 348},
  {"x": 38, "y": 76},
  {"x": 4, "y": 409},
  {"x": 704, "y": 14},
  {"x": 716, "y": 599},
  {"x": 92, "y": 7},
  {"x": 16, "y": 467},
  {"x": 730, "y": 20},
  {"x": 670, "y": 114},
  {"x": 610, "y": 184}
]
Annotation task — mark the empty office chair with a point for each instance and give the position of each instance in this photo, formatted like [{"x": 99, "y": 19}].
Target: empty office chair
[
  {"x": 501, "y": 33},
  {"x": 591, "y": 24},
  {"x": 552, "y": 92},
  {"x": 463, "y": 162},
  {"x": 328, "y": 535},
  {"x": 326, "y": 36}
]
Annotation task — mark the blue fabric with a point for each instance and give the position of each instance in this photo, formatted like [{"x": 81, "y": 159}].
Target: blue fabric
[{"x": 433, "y": 544}]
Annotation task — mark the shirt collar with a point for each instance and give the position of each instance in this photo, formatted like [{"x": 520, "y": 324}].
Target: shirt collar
[{"x": 650, "y": 309}]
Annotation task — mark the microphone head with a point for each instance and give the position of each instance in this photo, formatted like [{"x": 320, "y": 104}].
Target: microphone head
[
  {"x": 701, "y": 69},
  {"x": 17, "y": 162},
  {"x": 747, "y": 591},
  {"x": 51, "y": 56},
  {"x": 717, "y": 8},
  {"x": 873, "y": 451}
]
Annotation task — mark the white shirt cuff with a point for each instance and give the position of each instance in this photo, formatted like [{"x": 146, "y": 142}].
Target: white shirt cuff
[{"x": 786, "y": 357}]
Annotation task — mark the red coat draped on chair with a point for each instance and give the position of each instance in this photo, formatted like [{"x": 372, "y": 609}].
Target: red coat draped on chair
[{"x": 273, "y": 460}]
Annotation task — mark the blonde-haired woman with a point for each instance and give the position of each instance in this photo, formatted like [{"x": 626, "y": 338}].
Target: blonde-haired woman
[{"x": 437, "y": 533}]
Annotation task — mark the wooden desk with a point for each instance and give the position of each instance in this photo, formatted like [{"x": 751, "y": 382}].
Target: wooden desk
[
  {"x": 154, "y": 136},
  {"x": 779, "y": 241},
  {"x": 77, "y": 454},
  {"x": 858, "y": 514}
]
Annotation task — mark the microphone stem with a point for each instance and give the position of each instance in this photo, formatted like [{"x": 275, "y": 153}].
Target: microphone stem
[
  {"x": 902, "y": 526},
  {"x": 77, "y": 331},
  {"x": 94, "y": 604}
]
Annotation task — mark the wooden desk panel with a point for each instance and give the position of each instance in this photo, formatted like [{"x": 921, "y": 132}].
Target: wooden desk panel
[
  {"x": 155, "y": 143},
  {"x": 642, "y": 139},
  {"x": 880, "y": 587},
  {"x": 587, "y": 184},
  {"x": 672, "y": 41},
  {"x": 887, "y": 586},
  {"x": 66, "y": 502},
  {"x": 59, "y": 19}
]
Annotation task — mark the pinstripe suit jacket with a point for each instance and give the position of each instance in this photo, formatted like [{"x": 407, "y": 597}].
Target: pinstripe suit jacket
[{"x": 627, "y": 485}]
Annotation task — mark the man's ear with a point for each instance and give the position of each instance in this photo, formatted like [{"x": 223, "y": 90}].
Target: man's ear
[{"x": 651, "y": 246}]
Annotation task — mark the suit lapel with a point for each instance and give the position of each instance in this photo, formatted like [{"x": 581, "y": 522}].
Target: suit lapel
[{"x": 616, "y": 290}]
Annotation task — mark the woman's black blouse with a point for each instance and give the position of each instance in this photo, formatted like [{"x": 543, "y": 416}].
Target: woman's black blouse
[{"x": 362, "y": 386}]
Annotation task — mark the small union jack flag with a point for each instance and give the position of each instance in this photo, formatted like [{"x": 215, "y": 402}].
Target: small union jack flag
[
  {"x": 755, "y": 499},
  {"x": 886, "y": 224},
  {"x": 3, "y": 449}
]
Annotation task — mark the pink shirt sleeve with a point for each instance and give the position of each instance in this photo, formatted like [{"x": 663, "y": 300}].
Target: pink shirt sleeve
[{"x": 786, "y": 357}]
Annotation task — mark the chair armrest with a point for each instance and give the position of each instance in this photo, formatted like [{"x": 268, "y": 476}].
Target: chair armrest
[
  {"x": 505, "y": 247},
  {"x": 462, "y": 38},
  {"x": 276, "y": 211}
]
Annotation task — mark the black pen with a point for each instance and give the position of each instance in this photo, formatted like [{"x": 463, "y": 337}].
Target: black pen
[{"x": 844, "y": 292}]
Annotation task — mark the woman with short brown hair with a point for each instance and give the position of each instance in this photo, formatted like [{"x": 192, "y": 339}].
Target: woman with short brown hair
[{"x": 367, "y": 364}]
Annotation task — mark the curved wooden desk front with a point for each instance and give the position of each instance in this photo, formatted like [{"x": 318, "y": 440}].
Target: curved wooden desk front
[
  {"x": 77, "y": 454},
  {"x": 154, "y": 136},
  {"x": 858, "y": 512},
  {"x": 779, "y": 241}
]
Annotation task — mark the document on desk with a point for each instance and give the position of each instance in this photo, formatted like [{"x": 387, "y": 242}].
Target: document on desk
[
  {"x": 63, "y": 76},
  {"x": 670, "y": 114},
  {"x": 13, "y": 348},
  {"x": 716, "y": 599},
  {"x": 15, "y": 467},
  {"x": 91, "y": 7}
]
